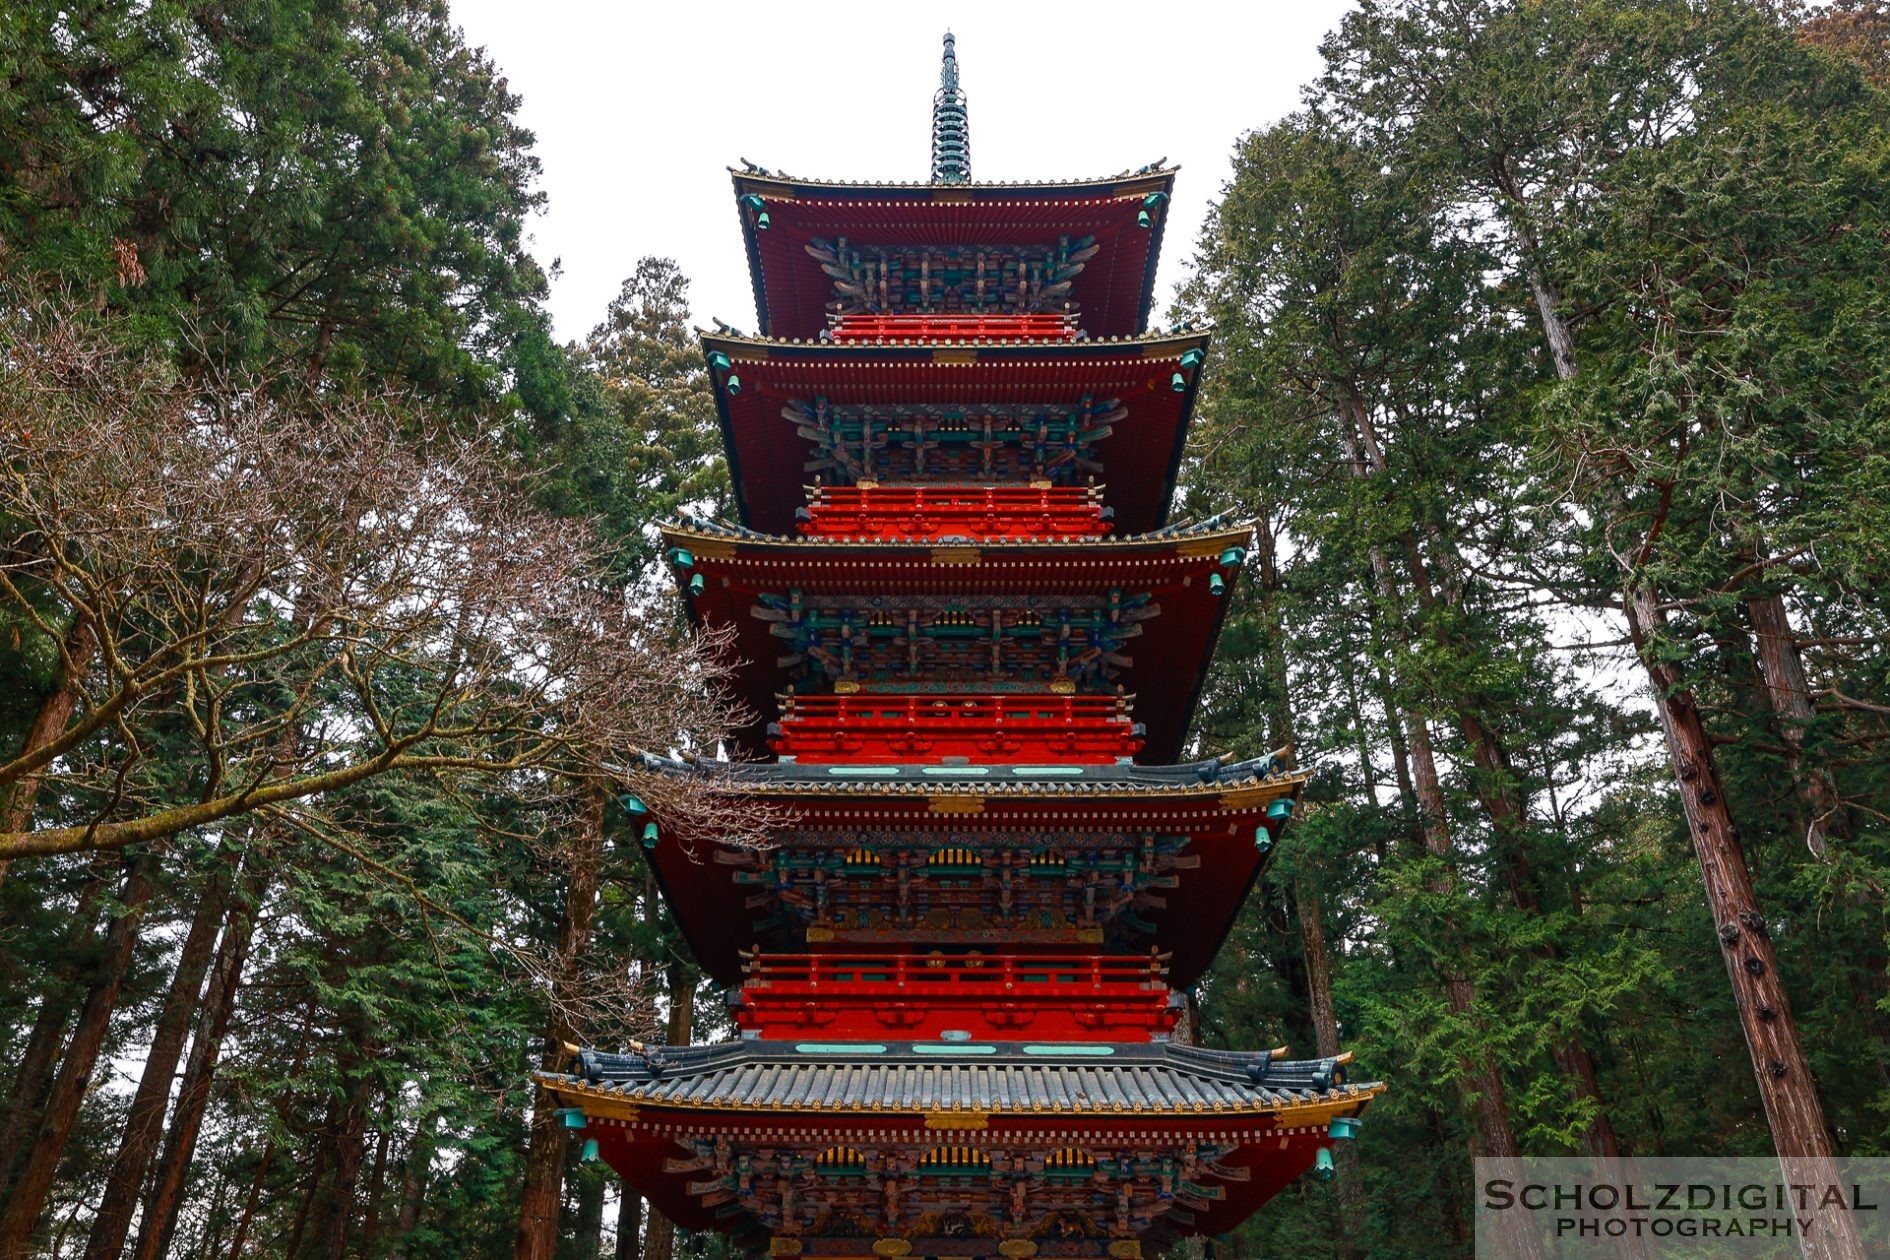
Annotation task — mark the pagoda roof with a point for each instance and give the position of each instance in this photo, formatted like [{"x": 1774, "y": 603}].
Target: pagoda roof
[
  {"x": 767, "y": 453},
  {"x": 927, "y": 1078},
  {"x": 1210, "y": 777},
  {"x": 1217, "y": 805},
  {"x": 1167, "y": 658},
  {"x": 1115, "y": 290}
]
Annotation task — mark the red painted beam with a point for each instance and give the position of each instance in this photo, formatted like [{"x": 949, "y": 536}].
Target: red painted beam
[
  {"x": 928, "y": 513},
  {"x": 922, "y": 328},
  {"x": 987, "y": 729},
  {"x": 1001, "y": 997}
]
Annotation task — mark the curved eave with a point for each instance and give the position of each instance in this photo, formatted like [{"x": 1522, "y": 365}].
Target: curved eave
[
  {"x": 917, "y": 198},
  {"x": 938, "y": 794},
  {"x": 1219, "y": 818},
  {"x": 1141, "y": 459},
  {"x": 606, "y": 1102},
  {"x": 710, "y": 545}
]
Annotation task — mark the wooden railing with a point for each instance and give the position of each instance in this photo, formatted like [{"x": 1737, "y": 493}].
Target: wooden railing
[
  {"x": 1000, "y": 729},
  {"x": 973, "y": 512},
  {"x": 1038, "y": 997},
  {"x": 903, "y": 328},
  {"x": 1047, "y": 976}
]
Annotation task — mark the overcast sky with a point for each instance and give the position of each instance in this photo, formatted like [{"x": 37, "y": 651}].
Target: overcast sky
[{"x": 639, "y": 108}]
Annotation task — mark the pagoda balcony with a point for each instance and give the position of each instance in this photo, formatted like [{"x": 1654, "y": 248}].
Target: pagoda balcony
[
  {"x": 903, "y": 329},
  {"x": 981, "y": 729},
  {"x": 877, "y": 513},
  {"x": 1047, "y": 997}
]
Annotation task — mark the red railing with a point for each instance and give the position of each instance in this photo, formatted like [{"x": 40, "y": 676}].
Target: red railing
[
  {"x": 973, "y": 512},
  {"x": 1048, "y": 997},
  {"x": 982, "y": 975},
  {"x": 848, "y": 328},
  {"x": 1002, "y": 729}
]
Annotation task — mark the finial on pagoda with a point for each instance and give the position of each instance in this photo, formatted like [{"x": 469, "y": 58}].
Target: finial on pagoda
[{"x": 951, "y": 126}]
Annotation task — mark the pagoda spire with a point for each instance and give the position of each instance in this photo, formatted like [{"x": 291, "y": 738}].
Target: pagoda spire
[{"x": 951, "y": 127}]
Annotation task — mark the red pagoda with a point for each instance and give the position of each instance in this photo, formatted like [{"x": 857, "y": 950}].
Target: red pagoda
[{"x": 976, "y": 639}]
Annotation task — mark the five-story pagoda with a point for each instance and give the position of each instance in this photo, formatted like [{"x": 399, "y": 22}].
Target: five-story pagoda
[{"x": 976, "y": 640}]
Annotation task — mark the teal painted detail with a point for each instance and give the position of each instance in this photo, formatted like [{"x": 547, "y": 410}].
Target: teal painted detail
[
  {"x": 571, "y": 1117},
  {"x": 946, "y": 770},
  {"x": 753, "y": 201},
  {"x": 1234, "y": 557},
  {"x": 1343, "y": 1127},
  {"x": 953, "y": 1049},
  {"x": 1080, "y": 1049},
  {"x": 1154, "y": 200},
  {"x": 1280, "y": 810},
  {"x": 1047, "y": 772},
  {"x": 1192, "y": 358},
  {"x": 681, "y": 559},
  {"x": 719, "y": 361},
  {"x": 839, "y": 1047},
  {"x": 867, "y": 772}
]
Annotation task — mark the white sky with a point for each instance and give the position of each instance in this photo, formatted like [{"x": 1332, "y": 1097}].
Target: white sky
[{"x": 639, "y": 107}]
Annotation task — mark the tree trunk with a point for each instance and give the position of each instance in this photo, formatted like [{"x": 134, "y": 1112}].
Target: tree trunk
[
  {"x": 630, "y": 1225},
  {"x": 30, "y": 1188},
  {"x": 659, "y": 1241},
  {"x": 376, "y": 1191},
  {"x": 54, "y": 712},
  {"x": 537, "y": 1234},
  {"x": 244, "y": 1221},
  {"x": 350, "y": 1149},
  {"x": 33, "y": 1077},
  {"x": 1478, "y": 1072},
  {"x": 1782, "y": 668},
  {"x": 414, "y": 1171},
  {"x": 33, "y": 1074},
  {"x": 1790, "y": 1095},
  {"x": 590, "y": 1216},
  {"x": 1495, "y": 786},
  {"x": 659, "y": 1237},
  {"x": 226, "y": 976},
  {"x": 292, "y": 1249},
  {"x": 144, "y": 1126}
]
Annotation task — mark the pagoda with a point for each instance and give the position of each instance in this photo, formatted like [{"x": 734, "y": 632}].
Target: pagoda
[{"x": 972, "y": 640}]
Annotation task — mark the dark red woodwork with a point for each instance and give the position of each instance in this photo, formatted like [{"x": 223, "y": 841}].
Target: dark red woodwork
[
  {"x": 1163, "y": 664},
  {"x": 1113, "y": 294},
  {"x": 903, "y": 328},
  {"x": 721, "y": 916},
  {"x": 771, "y": 460},
  {"x": 929, "y": 513},
  {"x": 1042, "y": 997},
  {"x": 663, "y": 1169},
  {"x": 868, "y": 727}
]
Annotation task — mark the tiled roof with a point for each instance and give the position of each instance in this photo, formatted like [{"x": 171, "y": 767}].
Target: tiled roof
[
  {"x": 1211, "y": 776},
  {"x": 758, "y": 175},
  {"x": 1216, "y": 524},
  {"x": 993, "y": 1077}
]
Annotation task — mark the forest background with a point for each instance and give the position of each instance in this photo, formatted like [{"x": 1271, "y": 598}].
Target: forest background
[{"x": 1552, "y": 355}]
